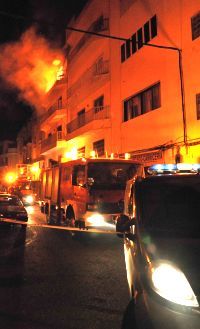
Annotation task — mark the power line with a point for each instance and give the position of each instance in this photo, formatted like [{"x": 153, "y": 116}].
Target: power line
[{"x": 108, "y": 36}]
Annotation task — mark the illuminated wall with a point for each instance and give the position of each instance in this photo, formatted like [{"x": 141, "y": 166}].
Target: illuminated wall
[{"x": 142, "y": 110}]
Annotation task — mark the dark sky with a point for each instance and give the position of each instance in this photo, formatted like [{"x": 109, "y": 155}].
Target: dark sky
[{"x": 50, "y": 17}]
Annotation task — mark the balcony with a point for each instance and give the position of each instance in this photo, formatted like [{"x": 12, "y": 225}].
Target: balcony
[
  {"x": 97, "y": 113},
  {"x": 95, "y": 77},
  {"x": 53, "y": 142},
  {"x": 54, "y": 114},
  {"x": 99, "y": 26}
]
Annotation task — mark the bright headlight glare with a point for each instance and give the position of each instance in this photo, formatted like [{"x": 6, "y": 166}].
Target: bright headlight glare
[
  {"x": 170, "y": 283},
  {"x": 29, "y": 199},
  {"x": 96, "y": 219}
]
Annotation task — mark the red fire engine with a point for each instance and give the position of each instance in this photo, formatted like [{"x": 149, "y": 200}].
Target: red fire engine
[{"x": 85, "y": 192}]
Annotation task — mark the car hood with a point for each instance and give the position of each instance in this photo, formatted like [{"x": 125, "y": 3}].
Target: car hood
[{"x": 184, "y": 253}]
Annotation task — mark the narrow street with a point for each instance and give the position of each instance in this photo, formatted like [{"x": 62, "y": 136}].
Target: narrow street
[{"x": 51, "y": 279}]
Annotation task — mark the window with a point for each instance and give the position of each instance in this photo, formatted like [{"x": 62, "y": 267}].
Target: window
[
  {"x": 128, "y": 48},
  {"x": 146, "y": 101},
  {"x": 143, "y": 35},
  {"x": 78, "y": 176},
  {"x": 139, "y": 38},
  {"x": 146, "y": 32},
  {"x": 150, "y": 99},
  {"x": 81, "y": 152},
  {"x": 195, "y": 23},
  {"x": 153, "y": 26},
  {"x": 198, "y": 106},
  {"x": 134, "y": 44},
  {"x": 99, "y": 104},
  {"x": 60, "y": 102},
  {"x": 101, "y": 66},
  {"x": 123, "y": 53},
  {"x": 59, "y": 132},
  {"x": 81, "y": 118},
  {"x": 132, "y": 108},
  {"x": 98, "y": 147},
  {"x": 66, "y": 173},
  {"x": 59, "y": 128}
]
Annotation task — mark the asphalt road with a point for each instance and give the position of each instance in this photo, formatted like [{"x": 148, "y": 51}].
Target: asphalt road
[{"x": 51, "y": 279}]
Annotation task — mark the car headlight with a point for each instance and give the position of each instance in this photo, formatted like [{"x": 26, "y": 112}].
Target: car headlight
[
  {"x": 29, "y": 199},
  {"x": 96, "y": 219},
  {"x": 171, "y": 283}
]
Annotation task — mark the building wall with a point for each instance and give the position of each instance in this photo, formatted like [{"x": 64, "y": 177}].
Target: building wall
[
  {"x": 89, "y": 76},
  {"x": 149, "y": 65},
  {"x": 161, "y": 130}
]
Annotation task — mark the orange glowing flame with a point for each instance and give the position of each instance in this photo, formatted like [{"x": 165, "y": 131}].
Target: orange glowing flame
[{"x": 32, "y": 66}]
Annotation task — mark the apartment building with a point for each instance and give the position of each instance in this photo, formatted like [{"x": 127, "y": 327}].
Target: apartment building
[
  {"x": 133, "y": 89},
  {"x": 49, "y": 130}
]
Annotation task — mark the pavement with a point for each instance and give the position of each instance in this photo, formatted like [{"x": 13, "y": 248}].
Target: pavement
[{"x": 35, "y": 216}]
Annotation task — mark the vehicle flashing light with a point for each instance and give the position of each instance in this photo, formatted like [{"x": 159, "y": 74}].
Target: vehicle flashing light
[{"x": 174, "y": 168}]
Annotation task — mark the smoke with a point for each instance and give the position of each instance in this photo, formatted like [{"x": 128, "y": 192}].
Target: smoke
[{"x": 30, "y": 65}]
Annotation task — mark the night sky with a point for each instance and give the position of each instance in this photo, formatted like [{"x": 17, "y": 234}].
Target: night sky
[{"x": 50, "y": 17}]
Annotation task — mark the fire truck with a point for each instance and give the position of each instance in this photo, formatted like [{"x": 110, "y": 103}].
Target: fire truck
[
  {"x": 23, "y": 186},
  {"x": 86, "y": 192}
]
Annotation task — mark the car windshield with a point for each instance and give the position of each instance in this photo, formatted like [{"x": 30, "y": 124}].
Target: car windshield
[
  {"x": 9, "y": 201},
  {"x": 171, "y": 205},
  {"x": 110, "y": 175}
]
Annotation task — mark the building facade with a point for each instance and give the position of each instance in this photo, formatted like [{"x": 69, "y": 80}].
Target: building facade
[{"x": 129, "y": 85}]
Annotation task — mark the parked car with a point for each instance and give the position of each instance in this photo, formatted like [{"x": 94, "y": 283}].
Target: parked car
[
  {"x": 161, "y": 231},
  {"x": 11, "y": 207}
]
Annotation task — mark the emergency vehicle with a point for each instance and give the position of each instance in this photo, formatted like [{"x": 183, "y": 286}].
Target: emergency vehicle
[
  {"x": 160, "y": 228},
  {"x": 86, "y": 192},
  {"x": 23, "y": 185}
]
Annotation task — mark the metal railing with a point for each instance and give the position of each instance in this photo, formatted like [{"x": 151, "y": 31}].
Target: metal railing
[
  {"x": 88, "y": 78},
  {"x": 56, "y": 106},
  {"x": 52, "y": 140},
  {"x": 97, "y": 113}
]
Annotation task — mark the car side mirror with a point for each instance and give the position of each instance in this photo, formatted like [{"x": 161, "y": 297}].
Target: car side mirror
[{"x": 123, "y": 225}]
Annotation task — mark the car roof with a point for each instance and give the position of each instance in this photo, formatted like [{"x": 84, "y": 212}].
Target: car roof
[
  {"x": 8, "y": 195},
  {"x": 164, "y": 178}
]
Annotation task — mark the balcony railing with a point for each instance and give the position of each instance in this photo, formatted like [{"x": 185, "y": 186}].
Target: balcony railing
[
  {"x": 55, "y": 107},
  {"x": 88, "y": 80},
  {"x": 51, "y": 141},
  {"x": 97, "y": 113}
]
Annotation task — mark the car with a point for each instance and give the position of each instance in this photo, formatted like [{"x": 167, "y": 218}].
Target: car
[
  {"x": 11, "y": 207},
  {"x": 161, "y": 232}
]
